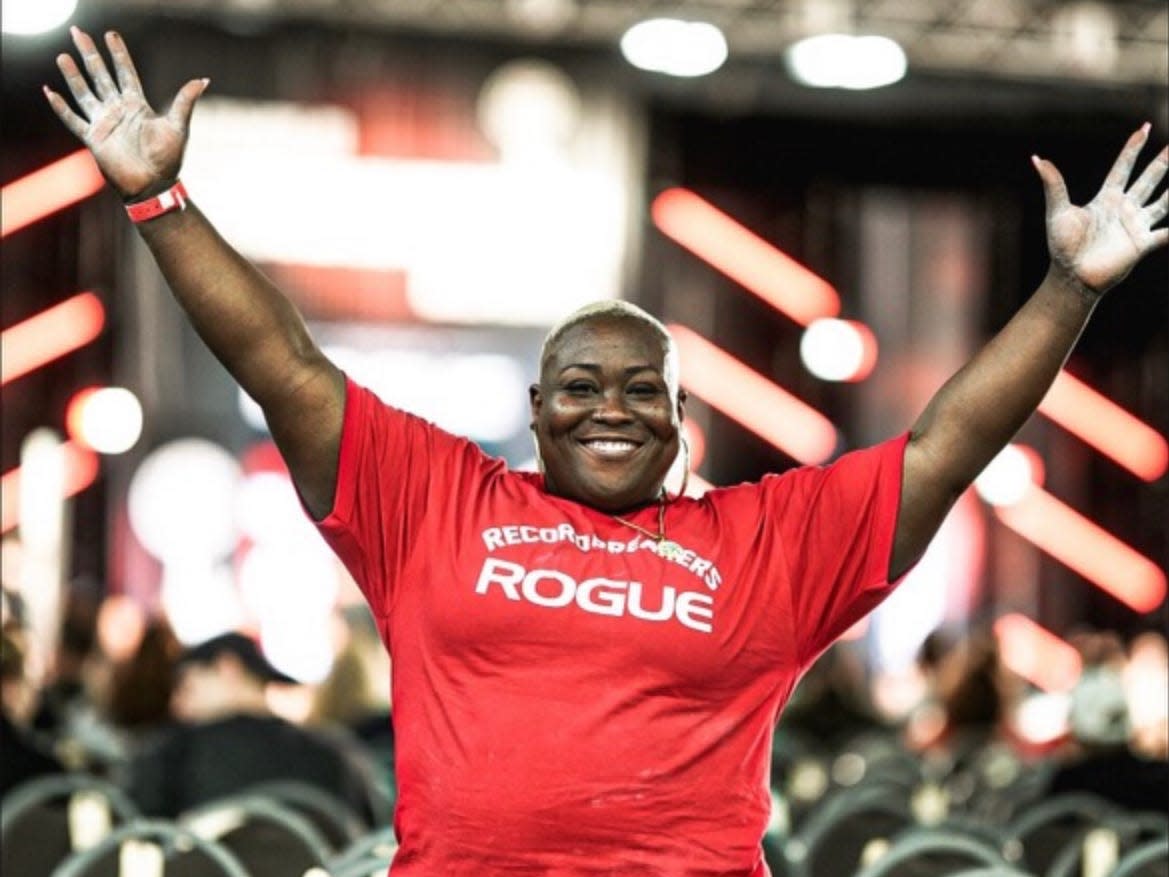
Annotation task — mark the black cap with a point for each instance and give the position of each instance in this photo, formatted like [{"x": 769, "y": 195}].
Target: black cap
[{"x": 244, "y": 648}]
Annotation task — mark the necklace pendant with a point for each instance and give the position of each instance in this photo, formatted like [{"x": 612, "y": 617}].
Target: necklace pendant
[{"x": 669, "y": 550}]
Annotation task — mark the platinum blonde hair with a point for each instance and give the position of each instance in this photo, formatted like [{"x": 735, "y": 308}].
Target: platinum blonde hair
[{"x": 617, "y": 309}]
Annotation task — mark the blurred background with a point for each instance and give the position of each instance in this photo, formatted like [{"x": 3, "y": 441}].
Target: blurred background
[{"x": 831, "y": 201}]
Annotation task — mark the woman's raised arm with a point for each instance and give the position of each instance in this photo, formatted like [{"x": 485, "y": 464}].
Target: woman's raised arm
[{"x": 250, "y": 326}]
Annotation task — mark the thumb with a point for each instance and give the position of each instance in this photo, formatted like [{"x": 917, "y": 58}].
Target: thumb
[
  {"x": 180, "y": 110},
  {"x": 1054, "y": 190}
]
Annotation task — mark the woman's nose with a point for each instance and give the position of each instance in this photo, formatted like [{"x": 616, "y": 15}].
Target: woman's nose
[{"x": 611, "y": 408}]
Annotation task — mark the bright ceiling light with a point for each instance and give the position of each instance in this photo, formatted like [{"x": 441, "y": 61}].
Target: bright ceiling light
[
  {"x": 106, "y": 419},
  {"x": 846, "y": 61},
  {"x": 1009, "y": 477},
  {"x": 674, "y": 47},
  {"x": 31, "y": 17},
  {"x": 838, "y": 350}
]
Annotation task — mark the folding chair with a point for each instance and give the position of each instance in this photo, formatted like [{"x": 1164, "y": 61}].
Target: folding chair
[
  {"x": 334, "y": 818},
  {"x": 834, "y": 838},
  {"x": 1041, "y": 833},
  {"x": 45, "y": 820},
  {"x": 368, "y": 855},
  {"x": 1148, "y": 860},
  {"x": 933, "y": 852},
  {"x": 269, "y": 838},
  {"x": 181, "y": 852}
]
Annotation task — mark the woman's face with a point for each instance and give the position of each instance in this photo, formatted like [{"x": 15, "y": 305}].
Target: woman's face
[{"x": 606, "y": 421}]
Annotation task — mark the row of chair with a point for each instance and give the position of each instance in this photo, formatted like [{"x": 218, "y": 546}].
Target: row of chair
[{"x": 75, "y": 825}]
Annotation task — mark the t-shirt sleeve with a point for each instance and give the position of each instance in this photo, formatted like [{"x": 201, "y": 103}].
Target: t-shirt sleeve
[
  {"x": 837, "y": 525},
  {"x": 393, "y": 470}
]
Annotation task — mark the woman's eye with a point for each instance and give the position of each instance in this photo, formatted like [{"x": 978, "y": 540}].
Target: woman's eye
[
  {"x": 579, "y": 388},
  {"x": 643, "y": 390}
]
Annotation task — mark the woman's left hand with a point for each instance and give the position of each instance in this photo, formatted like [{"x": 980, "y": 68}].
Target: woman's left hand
[{"x": 1099, "y": 243}]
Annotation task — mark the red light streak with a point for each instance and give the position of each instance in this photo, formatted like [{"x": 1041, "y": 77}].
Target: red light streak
[
  {"x": 1037, "y": 654},
  {"x": 49, "y": 189},
  {"x": 1086, "y": 548},
  {"x": 50, "y": 334},
  {"x": 747, "y": 397},
  {"x": 743, "y": 256},
  {"x": 1107, "y": 427},
  {"x": 81, "y": 468}
]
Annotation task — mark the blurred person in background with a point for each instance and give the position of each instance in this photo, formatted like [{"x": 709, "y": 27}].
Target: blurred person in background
[
  {"x": 587, "y": 670},
  {"x": 970, "y": 698},
  {"x": 23, "y": 756},
  {"x": 226, "y": 738},
  {"x": 1100, "y": 758},
  {"x": 356, "y": 693},
  {"x": 70, "y": 709},
  {"x": 142, "y": 685}
]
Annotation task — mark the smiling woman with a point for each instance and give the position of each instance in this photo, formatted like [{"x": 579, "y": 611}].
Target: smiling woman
[{"x": 587, "y": 671}]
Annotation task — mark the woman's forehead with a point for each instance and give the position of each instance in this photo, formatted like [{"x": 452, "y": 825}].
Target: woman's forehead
[{"x": 609, "y": 337}]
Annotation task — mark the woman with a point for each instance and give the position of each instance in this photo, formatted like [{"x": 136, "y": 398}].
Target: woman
[{"x": 586, "y": 670}]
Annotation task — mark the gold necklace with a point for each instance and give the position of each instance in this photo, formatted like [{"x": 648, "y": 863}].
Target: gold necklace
[{"x": 663, "y": 547}]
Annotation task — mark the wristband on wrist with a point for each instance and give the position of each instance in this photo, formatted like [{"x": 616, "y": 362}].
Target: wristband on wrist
[{"x": 174, "y": 198}]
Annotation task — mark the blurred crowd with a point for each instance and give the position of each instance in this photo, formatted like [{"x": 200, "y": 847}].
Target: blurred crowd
[{"x": 178, "y": 726}]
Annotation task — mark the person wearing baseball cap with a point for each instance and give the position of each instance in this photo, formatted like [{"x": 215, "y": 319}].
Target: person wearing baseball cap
[{"x": 226, "y": 738}]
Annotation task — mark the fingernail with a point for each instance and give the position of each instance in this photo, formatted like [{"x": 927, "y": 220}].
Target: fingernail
[{"x": 1145, "y": 127}]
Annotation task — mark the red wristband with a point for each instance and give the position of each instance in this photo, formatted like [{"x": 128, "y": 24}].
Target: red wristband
[{"x": 174, "y": 198}]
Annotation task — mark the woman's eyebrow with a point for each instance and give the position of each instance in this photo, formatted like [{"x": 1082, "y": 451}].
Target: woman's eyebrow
[{"x": 596, "y": 368}]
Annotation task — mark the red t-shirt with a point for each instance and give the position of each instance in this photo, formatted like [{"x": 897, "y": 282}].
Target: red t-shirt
[{"x": 567, "y": 701}]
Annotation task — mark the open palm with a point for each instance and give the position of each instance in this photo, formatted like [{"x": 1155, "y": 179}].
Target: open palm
[
  {"x": 138, "y": 150},
  {"x": 1099, "y": 243}
]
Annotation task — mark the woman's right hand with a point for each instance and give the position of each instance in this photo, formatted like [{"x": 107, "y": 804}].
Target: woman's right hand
[{"x": 138, "y": 151}]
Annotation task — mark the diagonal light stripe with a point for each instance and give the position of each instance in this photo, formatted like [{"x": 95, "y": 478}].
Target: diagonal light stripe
[
  {"x": 1107, "y": 427},
  {"x": 1086, "y": 548},
  {"x": 747, "y": 397},
  {"x": 743, "y": 256},
  {"x": 47, "y": 190},
  {"x": 81, "y": 468},
  {"x": 52, "y": 333},
  {"x": 1037, "y": 654}
]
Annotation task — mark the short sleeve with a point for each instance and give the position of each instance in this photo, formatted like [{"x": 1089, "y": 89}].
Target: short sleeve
[
  {"x": 837, "y": 526},
  {"x": 392, "y": 468}
]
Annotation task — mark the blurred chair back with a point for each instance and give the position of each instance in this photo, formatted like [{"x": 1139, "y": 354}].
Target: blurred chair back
[
  {"x": 47, "y": 819},
  {"x": 1147, "y": 860},
  {"x": 993, "y": 871},
  {"x": 1096, "y": 851},
  {"x": 372, "y": 853},
  {"x": 159, "y": 847},
  {"x": 269, "y": 838},
  {"x": 932, "y": 852},
  {"x": 337, "y": 822},
  {"x": 833, "y": 840},
  {"x": 1040, "y": 834}
]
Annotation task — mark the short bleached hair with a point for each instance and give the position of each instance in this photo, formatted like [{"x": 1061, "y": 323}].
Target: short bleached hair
[{"x": 616, "y": 309}]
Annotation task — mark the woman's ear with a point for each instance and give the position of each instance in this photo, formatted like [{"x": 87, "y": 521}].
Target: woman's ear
[{"x": 681, "y": 405}]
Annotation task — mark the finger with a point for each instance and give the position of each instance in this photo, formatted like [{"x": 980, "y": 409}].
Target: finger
[
  {"x": 78, "y": 86},
  {"x": 94, "y": 64},
  {"x": 1158, "y": 239},
  {"x": 72, "y": 121},
  {"x": 1122, "y": 168},
  {"x": 123, "y": 64},
  {"x": 1054, "y": 190},
  {"x": 180, "y": 111},
  {"x": 1148, "y": 181},
  {"x": 1157, "y": 211}
]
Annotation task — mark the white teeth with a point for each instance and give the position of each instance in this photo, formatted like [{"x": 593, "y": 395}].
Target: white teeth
[{"x": 612, "y": 447}]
